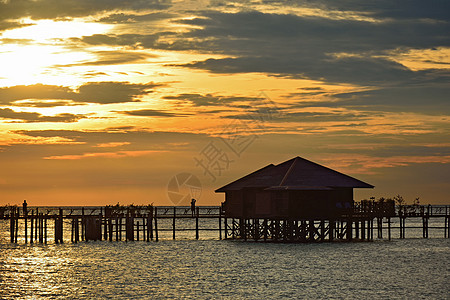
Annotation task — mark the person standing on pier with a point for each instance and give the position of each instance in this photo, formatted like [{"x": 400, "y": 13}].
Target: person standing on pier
[
  {"x": 193, "y": 206},
  {"x": 24, "y": 206}
]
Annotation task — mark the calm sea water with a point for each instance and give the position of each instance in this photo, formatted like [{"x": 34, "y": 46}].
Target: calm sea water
[{"x": 412, "y": 268}]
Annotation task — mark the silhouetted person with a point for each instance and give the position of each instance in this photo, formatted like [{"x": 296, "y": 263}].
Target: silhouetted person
[
  {"x": 193, "y": 206},
  {"x": 24, "y": 206}
]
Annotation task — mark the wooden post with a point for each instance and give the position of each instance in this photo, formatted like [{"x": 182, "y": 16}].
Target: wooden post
[
  {"x": 357, "y": 229},
  {"x": 256, "y": 229},
  {"x": 331, "y": 227},
  {"x": 425, "y": 226},
  {"x": 349, "y": 229},
  {"x": 41, "y": 228},
  {"x": 389, "y": 227},
  {"x": 120, "y": 228},
  {"x": 173, "y": 223},
  {"x": 447, "y": 222},
  {"x": 380, "y": 227},
  {"x": 150, "y": 225},
  {"x": 117, "y": 227},
  {"x": 31, "y": 227},
  {"x": 16, "y": 234},
  {"x": 233, "y": 228},
  {"x": 265, "y": 229},
  {"x": 311, "y": 230},
  {"x": 196, "y": 223},
  {"x": 36, "y": 225},
  {"x": 25, "y": 219},
  {"x": 83, "y": 224},
  {"x": 61, "y": 226},
  {"x": 45, "y": 228},
  {"x": 99, "y": 226},
  {"x": 72, "y": 231},
  {"x": 137, "y": 231},
  {"x": 56, "y": 229},
  {"x": 156, "y": 224},
  {"x": 220, "y": 224},
  {"x": 105, "y": 227},
  {"x": 11, "y": 225},
  {"x": 76, "y": 230},
  {"x": 143, "y": 228},
  {"x": 276, "y": 229},
  {"x": 243, "y": 225},
  {"x": 363, "y": 229},
  {"x": 110, "y": 228},
  {"x": 322, "y": 230},
  {"x": 403, "y": 227}
]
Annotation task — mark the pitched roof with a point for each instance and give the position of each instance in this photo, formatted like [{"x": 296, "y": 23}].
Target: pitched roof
[{"x": 295, "y": 174}]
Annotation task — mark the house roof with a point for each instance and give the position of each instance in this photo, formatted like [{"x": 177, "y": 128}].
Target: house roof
[{"x": 295, "y": 174}]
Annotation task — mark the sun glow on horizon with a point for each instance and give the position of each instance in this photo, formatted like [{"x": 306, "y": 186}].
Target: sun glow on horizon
[{"x": 49, "y": 30}]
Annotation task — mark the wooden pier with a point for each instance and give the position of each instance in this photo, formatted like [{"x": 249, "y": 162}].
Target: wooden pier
[{"x": 140, "y": 223}]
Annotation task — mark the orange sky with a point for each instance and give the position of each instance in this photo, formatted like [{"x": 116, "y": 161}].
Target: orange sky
[{"x": 105, "y": 102}]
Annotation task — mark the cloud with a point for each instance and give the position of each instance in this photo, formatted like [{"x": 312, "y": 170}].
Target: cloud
[
  {"x": 428, "y": 99},
  {"x": 317, "y": 48},
  {"x": 131, "y": 135},
  {"x": 46, "y": 9},
  {"x": 118, "y": 154},
  {"x": 151, "y": 113},
  {"x": 129, "y": 18},
  {"x": 210, "y": 100},
  {"x": 30, "y": 117},
  {"x": 43, "y": 103},
  {"x": 112, "y": 144},
  {"x": 402, "y": 9},
  {"x": 7, "y": 25},
  {"x": 364, "y": 164},
  {"x": 92, "y": 92},
  {"x": 113, "y": 92}
]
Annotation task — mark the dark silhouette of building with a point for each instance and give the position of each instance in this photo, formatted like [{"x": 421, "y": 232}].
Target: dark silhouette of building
[{"x": 294, "y": 189}]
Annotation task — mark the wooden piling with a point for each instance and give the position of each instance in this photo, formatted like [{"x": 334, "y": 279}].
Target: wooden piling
[
  {"x": 150, "y": 225},
  {"x": 105, "y": 228},
  {"x": 233, "y": 229},
  {"x": 11, "y": 225},
  {"x": 331, "y": 228},
  {"x": 380, "y": 227},
  {"x": 25, "y": 219},
  {"x": 349, "y": 231},
  {"x": 389, "y": 227},
  {"x": 110, "y": 229},
  {"x": 36, "y": 225},
  {"x": 118, "y": 228},
  {"x": 77, "y": 230},
  {"x": 425, "y": 226},
  {"x": 31, "y": 227},
  {"x": 363, "y": 229},
  {"x": 220, "y": 224},
  {"x": 45, "y": 228},
  {"x": 156, "y": 224},
  {"x": 173, "y": 223},
  {"x": 196, "y": 224},
  {"x": 41, "y": 228}
]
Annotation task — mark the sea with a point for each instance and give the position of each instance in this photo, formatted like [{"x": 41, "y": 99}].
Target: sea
[{"x": 210, "y": 268}]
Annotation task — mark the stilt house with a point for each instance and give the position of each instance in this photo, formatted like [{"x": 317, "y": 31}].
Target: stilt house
[{"x": 294, "y": 189}]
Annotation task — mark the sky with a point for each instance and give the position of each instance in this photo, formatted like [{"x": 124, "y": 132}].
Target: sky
[{"x": 154, "y": 101}]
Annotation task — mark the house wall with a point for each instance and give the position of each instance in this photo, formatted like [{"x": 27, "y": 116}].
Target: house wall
[
  {"x": 258, "y": 203},
  {"x": 318, "y": 204}
]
